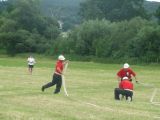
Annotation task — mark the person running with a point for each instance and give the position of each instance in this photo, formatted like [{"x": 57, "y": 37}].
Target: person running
[
  {"x": 31, "y": 61},
  {"x": 57, "y": 75},
  {"x": 125, "y": 89},
  {"x": 126, "y": 71}
]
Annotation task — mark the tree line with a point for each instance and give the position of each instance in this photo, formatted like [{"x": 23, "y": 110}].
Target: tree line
[
  {"x": 137, "y": 38},
  {"x": 110, "y": 29},
  {"x": 23, "y": 28},
  {"x": 115, "y": 29}
]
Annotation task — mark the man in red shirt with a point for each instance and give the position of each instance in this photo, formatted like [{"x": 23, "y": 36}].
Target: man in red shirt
[
  {"x": 126, "y": 72},
  {"x": 125, "y": 89},
  {"x": 57, "y": 76}
]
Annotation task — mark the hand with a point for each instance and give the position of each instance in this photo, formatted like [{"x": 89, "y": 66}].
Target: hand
[{"x": 67, "y": 61}]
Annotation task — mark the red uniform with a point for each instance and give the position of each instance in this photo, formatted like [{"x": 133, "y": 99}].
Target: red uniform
[
  {"x": 126, "y": 73},
  {"x": 59, "y": 67},
  {"x": 57, "y": 76},
  {"x": 126, "y": 85}
]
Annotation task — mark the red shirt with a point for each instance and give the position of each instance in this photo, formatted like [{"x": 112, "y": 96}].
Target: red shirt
[
  {"x": 59, "y": 65},
  {"x": 126, "y": 73},
  {"x": 126, "y": 84}
]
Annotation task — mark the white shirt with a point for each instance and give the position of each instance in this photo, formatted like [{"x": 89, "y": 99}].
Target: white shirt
[{"x": 31, "y": 61}]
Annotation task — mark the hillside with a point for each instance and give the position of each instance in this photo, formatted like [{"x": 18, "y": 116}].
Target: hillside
[
  {"x": 64, "y": 10},
  {"x": 67, "y": 10},
  {"x": 151, "y": 6}
]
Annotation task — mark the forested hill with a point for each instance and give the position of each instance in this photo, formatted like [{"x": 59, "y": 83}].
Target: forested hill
[
  {"x": 151, "y": 6},
  {"x": 62, "y": 2},
  {"x": 64, "y": 10},
  {"x": 67, "y": 10}
]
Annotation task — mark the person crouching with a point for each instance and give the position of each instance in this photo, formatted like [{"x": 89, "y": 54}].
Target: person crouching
[{"x": 125, "y": 89}]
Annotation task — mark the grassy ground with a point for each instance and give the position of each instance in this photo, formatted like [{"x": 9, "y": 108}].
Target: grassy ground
[{"x": 90, "y": 87}]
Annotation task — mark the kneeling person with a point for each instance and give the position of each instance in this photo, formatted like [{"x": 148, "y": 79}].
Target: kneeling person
[{"x": 125, "y": 89}]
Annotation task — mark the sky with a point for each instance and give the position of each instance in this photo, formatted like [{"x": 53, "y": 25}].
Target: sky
[
  {"x": 154, "y": 0},
  {"x": 146, "y": 0}
]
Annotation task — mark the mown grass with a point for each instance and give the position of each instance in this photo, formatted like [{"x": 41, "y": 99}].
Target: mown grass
[{"x": 90, "y": 87}]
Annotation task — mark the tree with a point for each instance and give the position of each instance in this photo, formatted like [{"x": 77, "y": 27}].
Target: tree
[
  {"x": 114, "y": 10},
  {"x": 146, "y": 44},
  {"x": 31, "y": 31},
  {"x": 134, "y": 39},
  {"x": 157, "y": 14}
]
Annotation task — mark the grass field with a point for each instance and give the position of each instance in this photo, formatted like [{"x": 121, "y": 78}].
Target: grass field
[{"x": 90, "y": 87}]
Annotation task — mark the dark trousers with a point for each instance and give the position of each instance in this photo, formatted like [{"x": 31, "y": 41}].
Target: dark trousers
[
  {"x": 126, "y": 93},
  {"x": 56, "y": 80}
]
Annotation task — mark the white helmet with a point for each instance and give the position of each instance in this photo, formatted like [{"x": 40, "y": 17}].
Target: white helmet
[
  {"x": 124, "y": 78},
  {"x": 126, "y": 65},
  {"x": 61, "y": 57}
]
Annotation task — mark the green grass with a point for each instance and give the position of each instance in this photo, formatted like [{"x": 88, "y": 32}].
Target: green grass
[{"x": 90, "y": 87}]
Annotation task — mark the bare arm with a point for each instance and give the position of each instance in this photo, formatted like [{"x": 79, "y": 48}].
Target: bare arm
[
  {"x": 65, "y": 62},
  {"x": 135, "y": 79}
]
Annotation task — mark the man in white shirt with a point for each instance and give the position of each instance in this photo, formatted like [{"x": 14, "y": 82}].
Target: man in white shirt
[{"x": 31, "y": 61}]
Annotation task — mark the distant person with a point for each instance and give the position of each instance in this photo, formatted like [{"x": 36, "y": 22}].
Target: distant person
[
  {"x": 125, "y": 89},
  {"x": 31, "y": 61},
  {"x": 126, "y": 71},
  {"x": 57, "y": 75}
]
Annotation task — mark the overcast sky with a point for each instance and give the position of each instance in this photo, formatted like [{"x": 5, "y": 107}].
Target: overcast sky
[
  {"x": 146, "y": 0},
  {"x": 154, "y": 0}
]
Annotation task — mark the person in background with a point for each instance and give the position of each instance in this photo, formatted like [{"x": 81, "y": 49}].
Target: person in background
[
  {"x": 57, "y": 75},
  {"x": 125, "y": 89},
  {"x": 126, "y": 71},
  {"x": 31, "y": 61}
]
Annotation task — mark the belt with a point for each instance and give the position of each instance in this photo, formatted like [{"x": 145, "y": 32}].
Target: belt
[
  {"x": 57, "y": 73},
  {"x": 128, "y": 90}
]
